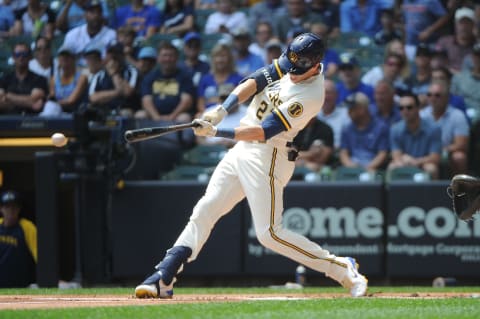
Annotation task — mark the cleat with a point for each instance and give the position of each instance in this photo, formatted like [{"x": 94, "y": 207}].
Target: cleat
[
  {"x": 154, "y": 287},
  {"x": 359, "y": 282}
]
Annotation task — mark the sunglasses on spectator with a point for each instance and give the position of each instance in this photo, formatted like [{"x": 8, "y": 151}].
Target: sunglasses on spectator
[
  {"x": 393, "y": 63},
  {"x": 21, "y": 54},
  {"x": 408, "y": 107},
  {"x": 430, "y": 94}
]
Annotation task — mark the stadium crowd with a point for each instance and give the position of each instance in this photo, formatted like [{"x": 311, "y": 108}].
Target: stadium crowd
[{"x": 402, "y": 76}]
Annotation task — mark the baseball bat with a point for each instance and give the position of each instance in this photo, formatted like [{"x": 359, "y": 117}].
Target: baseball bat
[{"x": 142, "y": 134}]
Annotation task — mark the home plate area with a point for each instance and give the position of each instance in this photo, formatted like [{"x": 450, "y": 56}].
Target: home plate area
[{"x": 75, "y": 301}]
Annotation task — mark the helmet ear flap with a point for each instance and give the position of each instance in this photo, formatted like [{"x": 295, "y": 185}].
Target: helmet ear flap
[{"x": 305, "y": 51}]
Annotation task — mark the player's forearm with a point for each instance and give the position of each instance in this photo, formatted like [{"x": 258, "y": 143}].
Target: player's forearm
[
  {"x": 249, "y": 133},
  {"x": 245, "y": 90}
]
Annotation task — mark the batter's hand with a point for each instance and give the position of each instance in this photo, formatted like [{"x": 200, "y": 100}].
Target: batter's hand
[
  {"x": 216, "y": 115},
  {"x": 204, "y": 129}
]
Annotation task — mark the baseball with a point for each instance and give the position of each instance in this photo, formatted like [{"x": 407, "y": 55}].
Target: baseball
[{"x": 59, "y": 140}]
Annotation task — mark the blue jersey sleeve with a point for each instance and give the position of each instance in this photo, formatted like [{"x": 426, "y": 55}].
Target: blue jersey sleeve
[
  {"x": 272, "y": 125},
  {"x": 266, "y": 75}
]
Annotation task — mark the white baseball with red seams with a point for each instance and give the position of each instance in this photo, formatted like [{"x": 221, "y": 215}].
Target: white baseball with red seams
[{"x": 59, "y": 140}]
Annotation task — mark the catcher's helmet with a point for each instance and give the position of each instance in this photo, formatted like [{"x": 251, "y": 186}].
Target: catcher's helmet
[{"x": 305, "y": 51}]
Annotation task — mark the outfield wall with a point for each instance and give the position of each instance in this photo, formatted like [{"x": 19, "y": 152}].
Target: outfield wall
[{"x": 400, "y": 230}]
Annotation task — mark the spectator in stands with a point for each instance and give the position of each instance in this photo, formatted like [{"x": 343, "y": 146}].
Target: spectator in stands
[
  {"x": 167, "y": 91},
  {"x": 331, "y": 59},
  {"x": 274, "y": 49},
  {"x": 364, "y": 141},
  {"x": 146, "y": 61},
  {"x": 415, "y": 141},
  {"x": 419, "y": 81},
  {"x": 7, "y": 19},
  {"x": 298, "y": 15},
  {"x": 467, "y": 82},
  {"x": 112, "y": 90},
  {"x": 246, "y": 62},
  {"x": 42, "y": 62},
  {"x": 72, "y": 14},
  {"x": 93, "y": 31},
  {"x": 263, "y": 34},
  {"x": 329, "y": 12},
  {"x": 315, "y": 145},
  {"x": 350, "y": 81},
  {"x": 389, "y": 30},
  {"x": 423, "y": 19},
  {"x": 21, "y": 90},
  {"x": 384, "y": 107},
  {"x": 230, "y": 121},
  {"x": 34, "y": 20},
  {"x": 192, "y": 46},
  {"x": 225, "y": 18},
  {"x": 126, "y": 36},
  {"x": 390, "y": 70},
  {"x": 205, "y": 4},
  {"x": 265, "y": 11},
  {"x": 360, "y": 16},
  {"x": 145, "y": 19},
  {"x": 18, "y": 244},
  {"x": 331, "y": 113},
  {"x": 454, "y": 125},
  {"x": 397, "y": 46},
  {"x": 460, "y": 44},
  {"x": 222, "y": 76},
  {"x": 442, "y": 73},
  {"x": 178, "y": 18},
  {"x": 67, "y": 85}
]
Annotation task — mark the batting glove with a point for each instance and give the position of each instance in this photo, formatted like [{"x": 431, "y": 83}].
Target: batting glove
[
  {"x": 204, "y": 128},
  {"x": 216, "y": 115}
]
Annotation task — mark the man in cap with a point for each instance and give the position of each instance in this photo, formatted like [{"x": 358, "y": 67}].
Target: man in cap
[
  {"x": 93, "y": 31},
  {"x": 18, "y": 244},
  {"x": 460, "y": 44},
  {"x": 364, "y": 142},
  {"x": 350, "y": 78}
]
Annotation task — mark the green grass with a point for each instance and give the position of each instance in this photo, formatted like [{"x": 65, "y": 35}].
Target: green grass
[{"x": 344, "y": 308}]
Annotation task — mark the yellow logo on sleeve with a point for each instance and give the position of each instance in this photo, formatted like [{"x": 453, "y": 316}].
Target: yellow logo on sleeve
[{"x": 295, "y": 109}]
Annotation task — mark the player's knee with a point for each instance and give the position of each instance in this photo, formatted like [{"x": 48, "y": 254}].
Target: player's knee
[{"x": 266, "y": 238}]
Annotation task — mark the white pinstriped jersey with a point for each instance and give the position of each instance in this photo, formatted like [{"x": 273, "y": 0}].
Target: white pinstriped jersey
[{"x": 294, "y": 104}]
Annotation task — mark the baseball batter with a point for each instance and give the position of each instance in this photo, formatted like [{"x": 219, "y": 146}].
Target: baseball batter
[{"x": 259, "y": 167}]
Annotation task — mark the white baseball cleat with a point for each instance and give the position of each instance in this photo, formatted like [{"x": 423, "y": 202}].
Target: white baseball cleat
[
  {"x": 154, "y": 287},
  {"x": 359, "y": 282}
]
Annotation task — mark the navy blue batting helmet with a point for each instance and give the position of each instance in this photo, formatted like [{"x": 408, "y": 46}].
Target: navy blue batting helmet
[{"x": 305, "y": 51}]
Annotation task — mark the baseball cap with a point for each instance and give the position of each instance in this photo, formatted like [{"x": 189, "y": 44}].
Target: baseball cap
[
  {"x": 347, "y": 60},
  {"x": 240, "y": 33},
  {"x": 191, "y": 36},
  {"x": 423, "y": 49},
  {"x": 476, "y": 48},
  {"x": 93, "y": 48},
  {"x": 10, "y": 197},
  {"x": 115, "y": 47},
  {"x": 147, "y": 53},
  {"x": 356, "y": 99},
  {"x": 464, "y": 12},
  {"x": 65, "y": 49},
  {"x": 93, "y": 4},
  {"x": 273, "y": 43}
]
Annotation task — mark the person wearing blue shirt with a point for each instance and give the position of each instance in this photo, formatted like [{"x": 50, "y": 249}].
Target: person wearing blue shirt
[
  {"x": 246, "y": 61},
  {"x": 364, "y": 142},
  {"x": 144, "y": 18},
  {"x": 167, "y": 91},
  {"x": 415, "y": 141},
  {"x": 350, "y": 78},
  {"x": 72, "y": 14},
  {"x": 454, "y": 125},
  {"x": 360, "y": 16},
  {"x": 384, "y": 106}
]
